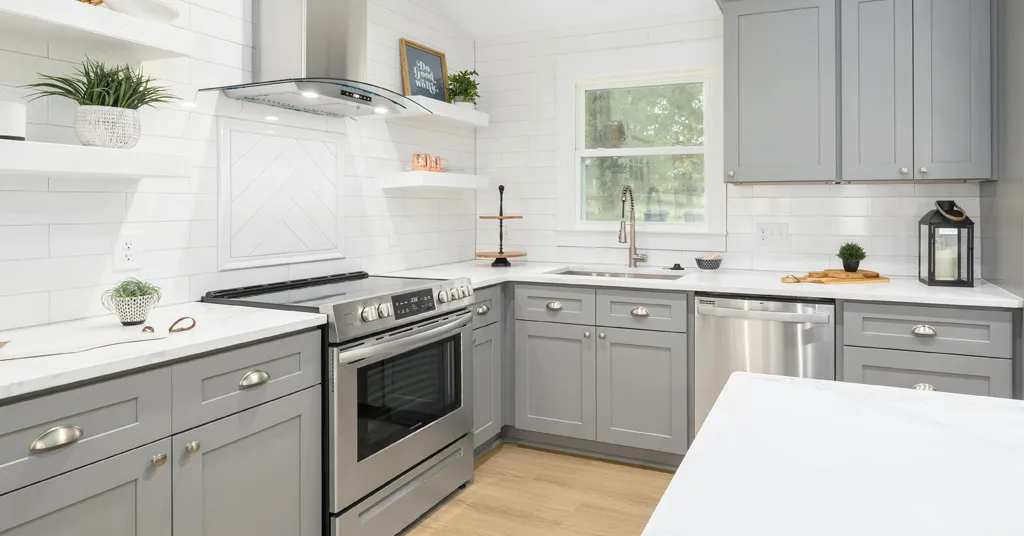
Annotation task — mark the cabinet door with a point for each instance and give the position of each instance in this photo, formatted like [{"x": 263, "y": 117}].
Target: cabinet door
[
  {"x": 486, "y": 383},
  {"x": 878, "y": 89},
  {"x": 555, "y": 383},
  {"x": 780, "y": 90},
  {"x": 952, "y": 89},
  {"x": 255, "y": 473},
  {"x": 641, "y": 389},
  {"x": 126, "y": 495},
  {"x": 966, "y": 375}
]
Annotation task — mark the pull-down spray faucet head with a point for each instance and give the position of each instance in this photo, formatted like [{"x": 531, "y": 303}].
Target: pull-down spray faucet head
[{"x": 622, "y": 222}]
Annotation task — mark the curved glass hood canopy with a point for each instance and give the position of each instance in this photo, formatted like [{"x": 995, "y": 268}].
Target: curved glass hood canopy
[{"x": 333, "y": 97}]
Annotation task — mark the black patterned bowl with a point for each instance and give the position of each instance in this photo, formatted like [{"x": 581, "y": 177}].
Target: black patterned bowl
[{"x": 708, "y": 264}]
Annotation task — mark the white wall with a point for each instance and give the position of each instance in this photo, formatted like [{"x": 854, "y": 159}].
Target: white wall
[{"x": 56, "y": 236}]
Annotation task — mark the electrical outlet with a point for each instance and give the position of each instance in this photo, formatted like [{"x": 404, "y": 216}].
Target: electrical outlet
[
  {"x": 772, "y": 235},
  {"x": 126, "y": 248}
]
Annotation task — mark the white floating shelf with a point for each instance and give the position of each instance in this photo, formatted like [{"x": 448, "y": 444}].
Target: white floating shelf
[
  {"x": 443, "y": 112},
  {"x": 27, "y": 158},
  {"x": 432, "y": 179},
  {"x": 100, "y": 28}
]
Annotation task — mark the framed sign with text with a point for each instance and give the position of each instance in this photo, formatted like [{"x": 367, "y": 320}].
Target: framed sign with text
[{"x": 424, "y": 71}]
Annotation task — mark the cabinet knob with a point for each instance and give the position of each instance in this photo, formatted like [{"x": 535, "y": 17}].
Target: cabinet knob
[
  {"x": 922, "y": 330},
  {"x": 192, "y": 447},
  {"x": 482, "y": 310},
  {"x": 159, "y": 460},
  {"x": 554, "y": 306},
  {"x": 600, "y": 336},
  {"x": 586, "y": 334},
  {"x": 731, "y": 174},
  {"x": 924, "y": 387},
  {"x": 924, "y": 171},
  {"x": 904, "y": 171}
]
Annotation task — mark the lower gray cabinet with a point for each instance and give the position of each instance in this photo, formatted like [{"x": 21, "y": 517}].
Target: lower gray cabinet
[
  {"x": 256, "y": 473},
  {"x": 968, "y": 375},
  {"x": 641, "y": 389},
  {"x": 486, "y": 383},
  {"x": 555, "y": 379},
  {"x": 126, "y": 495}
]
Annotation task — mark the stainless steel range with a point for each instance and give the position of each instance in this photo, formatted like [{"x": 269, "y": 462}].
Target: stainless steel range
[{"x": 399, "y": 374}]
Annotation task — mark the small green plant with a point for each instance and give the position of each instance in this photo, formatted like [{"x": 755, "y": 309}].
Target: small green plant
[
  {"x": 464, "y": 85},
  {"x": 96, "y": 84},
  {"x": 132, "y": 288},
  {"x": 851, "y": 252}
]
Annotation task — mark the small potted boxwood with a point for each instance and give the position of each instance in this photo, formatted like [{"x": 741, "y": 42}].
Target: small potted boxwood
[
  {"x": 132, "y": 300},
  {"x": 851, "y": 253},
  {"x": 463, "y": 88}
]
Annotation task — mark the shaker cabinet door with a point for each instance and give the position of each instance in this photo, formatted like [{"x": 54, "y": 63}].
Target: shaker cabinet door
[
  {"x": 486, "y": 383},
  {"x": 780, "y": 90}
]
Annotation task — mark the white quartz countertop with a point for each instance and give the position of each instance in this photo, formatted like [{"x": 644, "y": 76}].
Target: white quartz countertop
[
  {"x": 898, "y": 290},
  {"x": 217, "y": 327},
  {"x": 796, "y": 457}
]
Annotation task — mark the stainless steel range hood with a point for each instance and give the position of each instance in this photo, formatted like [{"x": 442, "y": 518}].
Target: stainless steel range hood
[{"x": 311, "y": 56}]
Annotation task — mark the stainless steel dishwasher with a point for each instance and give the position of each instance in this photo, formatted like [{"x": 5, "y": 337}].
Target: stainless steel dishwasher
[{"x": 788, "y": 338}]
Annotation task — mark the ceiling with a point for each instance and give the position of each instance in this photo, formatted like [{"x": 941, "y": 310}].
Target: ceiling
[{"x": 498, "y": 17}]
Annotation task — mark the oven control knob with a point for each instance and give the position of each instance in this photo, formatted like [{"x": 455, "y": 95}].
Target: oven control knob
[
  {"x": 384, "y": 310},
  {"x": 443, "y": 296},
  {"x": 469, "y": 290},
  {"x": 464, "y": 292},
  {"x": 369, "y": 314}
]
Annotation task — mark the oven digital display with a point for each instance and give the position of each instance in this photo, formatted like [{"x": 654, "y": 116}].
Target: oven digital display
[{"x": 413, "y": 303}]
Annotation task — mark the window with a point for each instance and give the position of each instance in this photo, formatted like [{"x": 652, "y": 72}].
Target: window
[{"x": 649, "y": 134}]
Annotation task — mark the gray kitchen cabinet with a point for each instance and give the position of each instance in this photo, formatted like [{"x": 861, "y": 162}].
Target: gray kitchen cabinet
[
  {"x": 780, "y": 90},
  {"x": 487, "y": 420},
  {"x": 641, "y": 309},
  {"x": 968, "y": 375},
  {"x": 487, "y": 308},
  {"x": 641, "y": 389},
  {"x": 952, "y": 89},
  {"x": 981, "y": 332},
  {"x": 550, "y": 303},
  {"x": 555, "y": 379},
  {"x": 256, "y": 473},
  {"x": 878, "y": 89},
  {"x": 125, "y": 495}
]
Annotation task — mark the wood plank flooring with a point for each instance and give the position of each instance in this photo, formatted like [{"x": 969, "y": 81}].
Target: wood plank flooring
[{"x": 522, "y": 491}]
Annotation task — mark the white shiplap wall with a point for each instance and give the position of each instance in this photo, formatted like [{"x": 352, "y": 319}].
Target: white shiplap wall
[{"x": 57, "y": 236}]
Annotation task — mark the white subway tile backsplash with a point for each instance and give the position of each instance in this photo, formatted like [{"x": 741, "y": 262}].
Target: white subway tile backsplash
[
  {"x": 24, "y": 208},
  {"x": 24, "y": 310},
  {"x": 23, "y": 242}
]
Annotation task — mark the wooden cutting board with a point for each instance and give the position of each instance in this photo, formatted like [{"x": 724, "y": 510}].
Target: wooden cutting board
[{"x": 837, "y": 277}]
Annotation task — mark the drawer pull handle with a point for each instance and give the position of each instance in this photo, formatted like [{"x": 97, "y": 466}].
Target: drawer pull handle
[
  {"x": 159, "y": 460},
  {"x": 192, "y": 447},
  {"x": 55, "y": 438},
  {"x": 482, "y": 310},
  {"x": 641, "y": 312},
  {"x": 924, "y": 331},
  {"x": 554, "y": 306},
  {"x": 253, "y": 379},
  {"x": 924, "y": 387}
]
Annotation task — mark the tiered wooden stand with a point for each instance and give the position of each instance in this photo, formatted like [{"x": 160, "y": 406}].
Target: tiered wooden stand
[{"x": 501, "y": 256}]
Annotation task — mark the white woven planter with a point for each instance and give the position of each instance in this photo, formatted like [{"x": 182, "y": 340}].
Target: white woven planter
[
  {"x": 103, "y": 126},
  {"x": 132, "y": 311}
]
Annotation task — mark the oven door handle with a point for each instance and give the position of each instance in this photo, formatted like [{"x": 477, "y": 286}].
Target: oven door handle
[{"x": 373, "y": 354}]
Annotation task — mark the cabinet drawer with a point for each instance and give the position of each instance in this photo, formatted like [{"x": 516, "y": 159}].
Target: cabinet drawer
[
  {"x": 113, "y": 416},
  {"x": 210, "y": 388},
  {"x": 633, "y": 309},
  {"x": 487, "y": 309},
  {"x": 967, "y": 375},
  {"x": 567, "y": 305},
  {"x": 949, "y": 331}
]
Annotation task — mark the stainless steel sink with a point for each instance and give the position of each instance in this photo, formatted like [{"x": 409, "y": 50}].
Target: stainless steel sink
[{"x": 620, "y": 275}]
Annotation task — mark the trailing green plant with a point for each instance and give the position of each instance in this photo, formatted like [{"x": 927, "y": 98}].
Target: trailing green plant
[
  {"x": 96, "y": 84},
  {"x": 132, "y": 288},
  {"x": 851, "y": 252},
  {"x": 464, "y": 85}
]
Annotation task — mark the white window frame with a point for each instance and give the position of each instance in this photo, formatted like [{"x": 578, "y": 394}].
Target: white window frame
[{"x": 708, "y": 149}]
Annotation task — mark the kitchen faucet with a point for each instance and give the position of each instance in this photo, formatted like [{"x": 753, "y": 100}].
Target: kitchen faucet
[{"x": 634, "y": 257}]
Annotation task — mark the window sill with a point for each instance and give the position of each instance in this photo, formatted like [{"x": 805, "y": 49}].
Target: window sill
[{"x": 666, "y": 239}]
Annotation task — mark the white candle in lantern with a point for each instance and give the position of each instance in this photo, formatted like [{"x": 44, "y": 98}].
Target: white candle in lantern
[{"x": 945, "y": 264}]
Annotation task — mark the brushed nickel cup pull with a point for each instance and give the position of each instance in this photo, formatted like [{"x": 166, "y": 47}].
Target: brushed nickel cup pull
[
  {"x": 641, "y": 312},
  {"x": 55, "y": 438},
  {"x": 924, "y": 331},
  {"x": 192, "y": 447},
  {"x": 159, "y": 460},
  {"x": 253, "y": 379},
  {"x": 554, "y": 306},
  {"x": 482, "y": 310},
  {"x": 924, "y": 387}
]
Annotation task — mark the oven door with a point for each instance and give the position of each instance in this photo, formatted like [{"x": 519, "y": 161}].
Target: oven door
[{"x": 397, "y": 399}]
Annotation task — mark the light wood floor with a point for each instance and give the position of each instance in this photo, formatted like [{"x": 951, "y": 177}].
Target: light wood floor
[{"x": 522, "y": 491}]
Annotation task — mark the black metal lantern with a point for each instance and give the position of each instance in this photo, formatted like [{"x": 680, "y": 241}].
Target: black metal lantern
[{"x": 946, "y": 242}]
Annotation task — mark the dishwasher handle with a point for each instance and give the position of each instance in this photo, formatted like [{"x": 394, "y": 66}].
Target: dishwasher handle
[{"x": 771, "y": 316}]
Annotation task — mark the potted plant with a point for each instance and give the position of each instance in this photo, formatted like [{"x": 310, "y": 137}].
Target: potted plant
[
  {"x": 109, "y": 99},
  {"x": 851, "y": 253},
  {"x": 132, "y": 300},
  {"x": 463, "y": 88}
]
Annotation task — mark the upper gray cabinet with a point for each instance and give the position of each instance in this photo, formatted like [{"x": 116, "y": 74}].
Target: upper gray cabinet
[
  {"x": 952, "y": 89},
  {"x": 878, "y": 89},
  {"x": 780, "y": 90}
]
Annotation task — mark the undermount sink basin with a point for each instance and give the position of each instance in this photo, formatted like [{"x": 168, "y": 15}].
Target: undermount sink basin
[{"x": 621, "y": 275}]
